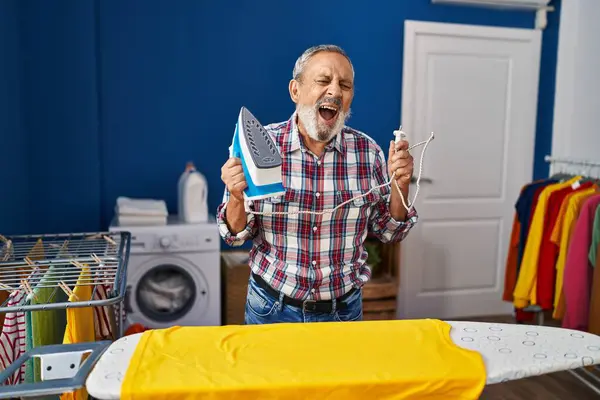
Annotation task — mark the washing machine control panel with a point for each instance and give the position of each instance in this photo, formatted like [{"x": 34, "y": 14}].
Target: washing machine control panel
[
  {"x": 174, "y": 238},
  {"x": 185, "y": 242}
]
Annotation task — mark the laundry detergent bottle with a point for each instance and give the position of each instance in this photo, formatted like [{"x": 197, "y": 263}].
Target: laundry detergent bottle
[{"x": 192, "y": 196}]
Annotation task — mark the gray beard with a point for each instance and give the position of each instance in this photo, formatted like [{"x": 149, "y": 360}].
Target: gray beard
[{"x": 319, "y": 132}]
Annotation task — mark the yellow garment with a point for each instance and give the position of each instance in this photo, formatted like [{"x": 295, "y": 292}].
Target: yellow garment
[
  {"x": 80, "y": 323},
  {"x": 525, "y": 292},
  {"x": 561, "y": 235},
  {"x": 397, "y": 359}
]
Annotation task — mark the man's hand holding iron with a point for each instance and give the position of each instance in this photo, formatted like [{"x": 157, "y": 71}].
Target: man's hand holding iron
[{"x": 232, "y": 175}]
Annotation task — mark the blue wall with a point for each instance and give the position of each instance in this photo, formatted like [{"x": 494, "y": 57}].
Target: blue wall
[
  {"x": 14, "y": 165},
  {"x": 115, "y": 97}
]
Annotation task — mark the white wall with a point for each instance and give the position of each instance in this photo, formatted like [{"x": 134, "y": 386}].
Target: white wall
[{"x": 576, "y": 131}]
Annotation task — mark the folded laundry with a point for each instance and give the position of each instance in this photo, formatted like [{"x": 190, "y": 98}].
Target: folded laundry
[
  {"x": 131, "y": 220},
  {"x": 131, "y": 211},
  {"x": 139, "y": 207}
]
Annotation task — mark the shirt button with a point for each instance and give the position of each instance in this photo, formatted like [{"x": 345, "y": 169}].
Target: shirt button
[
  {"x": 313, "y": 290},
  {"x": 314, "y": 228},
  {"x": 314, "y": 262},
  {"x": 318, "y": 162},
  {"x": 317, "y": 194}
]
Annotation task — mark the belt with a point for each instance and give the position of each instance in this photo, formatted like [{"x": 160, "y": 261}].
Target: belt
[{"x": 322, "y": 306}]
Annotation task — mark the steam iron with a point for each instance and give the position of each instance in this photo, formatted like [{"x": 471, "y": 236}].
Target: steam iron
[{"x": 260, "y": 158}]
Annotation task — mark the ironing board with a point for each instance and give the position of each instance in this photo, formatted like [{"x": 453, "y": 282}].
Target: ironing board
[{"x": 509, "y": 352}]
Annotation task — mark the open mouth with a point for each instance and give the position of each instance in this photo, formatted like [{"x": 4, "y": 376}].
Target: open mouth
[{"x": 328, "y": 113}]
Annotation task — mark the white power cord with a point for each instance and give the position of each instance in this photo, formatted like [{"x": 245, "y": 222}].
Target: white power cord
[{"x": 399, "y": 136}]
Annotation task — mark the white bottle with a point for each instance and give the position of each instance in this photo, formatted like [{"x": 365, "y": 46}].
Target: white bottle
[{"x": 192, "y": 196}]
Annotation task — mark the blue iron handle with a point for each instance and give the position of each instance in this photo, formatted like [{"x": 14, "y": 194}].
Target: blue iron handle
[{"x": 58, "y": 359}]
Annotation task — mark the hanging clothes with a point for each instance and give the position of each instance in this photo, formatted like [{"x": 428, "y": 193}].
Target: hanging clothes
[
  {"x": 594, "y": 317},
  {"x": 548, "y": 251},
  {"x": 103, "y": 317},
  {"x": 524, "y": 207},
  {"x": 80, "y": 323},
  {"x": 12, "y": 338},
  {"x": 578, "y": 272},
  {"x": 47, "y": 326},
  {"x": 3, "y": 300},
  {"x": 525, "y": 292},
  {"x": 595, "y": 237},
  {"x": 561, "y": 236},
  {"x": 15, "y": 333},
  {"x": 510, "y": 270}
]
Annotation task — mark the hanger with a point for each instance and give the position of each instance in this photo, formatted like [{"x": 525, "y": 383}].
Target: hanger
[{"x": 561, "y": 175}]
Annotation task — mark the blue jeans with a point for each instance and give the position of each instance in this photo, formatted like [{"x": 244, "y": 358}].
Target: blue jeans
[{"x": 262, "y": 308}]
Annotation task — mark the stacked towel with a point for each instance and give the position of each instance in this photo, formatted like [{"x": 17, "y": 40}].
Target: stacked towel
[{"x": 141, "y": 211}]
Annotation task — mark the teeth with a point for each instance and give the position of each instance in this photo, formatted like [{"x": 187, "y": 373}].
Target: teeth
[{"x": 329, "y": 108}]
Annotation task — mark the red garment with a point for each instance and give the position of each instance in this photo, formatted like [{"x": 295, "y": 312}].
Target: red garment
[
  {"x": 523, "y": 316},
  {"x": 546, "y": 270}
]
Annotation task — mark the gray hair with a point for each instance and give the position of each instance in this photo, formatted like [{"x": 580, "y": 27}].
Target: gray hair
[{"x": 307, "y": 55}]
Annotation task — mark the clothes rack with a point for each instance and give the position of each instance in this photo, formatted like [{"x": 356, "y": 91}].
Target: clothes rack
[
  {"x": 563, "y": 169},
  {"x": 569, "y": 162},
  {"x": 44, "y": 273}
]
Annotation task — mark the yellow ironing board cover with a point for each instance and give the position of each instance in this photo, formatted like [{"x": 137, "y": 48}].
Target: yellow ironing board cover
[{"x": 396, "y": 359}]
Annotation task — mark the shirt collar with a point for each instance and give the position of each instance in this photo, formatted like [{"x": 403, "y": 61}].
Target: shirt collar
[{"x": 294, "y": 142}]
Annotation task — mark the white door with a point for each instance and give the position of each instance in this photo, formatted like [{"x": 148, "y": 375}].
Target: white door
[{"x": 475, "y": 87}]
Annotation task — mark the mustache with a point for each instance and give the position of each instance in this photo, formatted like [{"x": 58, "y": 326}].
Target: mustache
[{"x": 331, "y": 100}]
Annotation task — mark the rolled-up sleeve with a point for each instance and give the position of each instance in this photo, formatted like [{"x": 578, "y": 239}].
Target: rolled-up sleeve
[
  {"x": 381, "y": 223},
  {"x": 248, "y": 233}
]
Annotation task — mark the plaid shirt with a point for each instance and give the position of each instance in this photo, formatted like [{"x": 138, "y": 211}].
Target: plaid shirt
[{"x": 319, "y": 257}]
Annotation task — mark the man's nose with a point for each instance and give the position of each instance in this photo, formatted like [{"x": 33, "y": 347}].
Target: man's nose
[{"x": 334, "y": 90}]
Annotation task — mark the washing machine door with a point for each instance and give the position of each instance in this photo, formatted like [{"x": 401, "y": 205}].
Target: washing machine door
[{"x": 164, "y": 291}]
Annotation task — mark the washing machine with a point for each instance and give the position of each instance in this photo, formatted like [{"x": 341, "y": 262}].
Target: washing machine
[{"x": 173, "y": 275}]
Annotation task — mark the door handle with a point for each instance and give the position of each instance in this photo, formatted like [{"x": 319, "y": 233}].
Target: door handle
[{"x": 423, "y": 180}]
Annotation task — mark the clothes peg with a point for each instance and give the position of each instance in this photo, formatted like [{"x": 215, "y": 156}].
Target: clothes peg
[
  {"x": 62, "y": 246},
  {"x": 109, "y": 240},
  {"x": 28, "y": 289},
  {"x": 67, "y": 290}
]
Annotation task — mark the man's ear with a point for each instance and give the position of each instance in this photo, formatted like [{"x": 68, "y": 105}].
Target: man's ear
[{"x": 293, "y": 87}]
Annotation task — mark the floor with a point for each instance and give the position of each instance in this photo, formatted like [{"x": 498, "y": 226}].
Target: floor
[{"x": 557, "y": 386}]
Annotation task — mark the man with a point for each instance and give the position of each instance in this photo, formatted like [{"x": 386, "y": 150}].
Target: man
[{"x": 311, "y": 267}]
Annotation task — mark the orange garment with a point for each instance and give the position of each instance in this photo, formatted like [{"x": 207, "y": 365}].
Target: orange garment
[
  {"x": 510, "y": 271},
  {"x": 409, "y": 359}
]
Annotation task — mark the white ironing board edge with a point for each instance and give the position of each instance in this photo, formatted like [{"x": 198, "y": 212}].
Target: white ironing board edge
[
  {"x": 512, "y": 352},
  {"x": 106, "y": 378},
  {"x": 509, "y": 352}
]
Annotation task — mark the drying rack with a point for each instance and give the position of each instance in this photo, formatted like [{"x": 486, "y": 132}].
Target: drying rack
[
  {"x": 55, "y": 262},
  {"x": 558, "y": 164}
]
